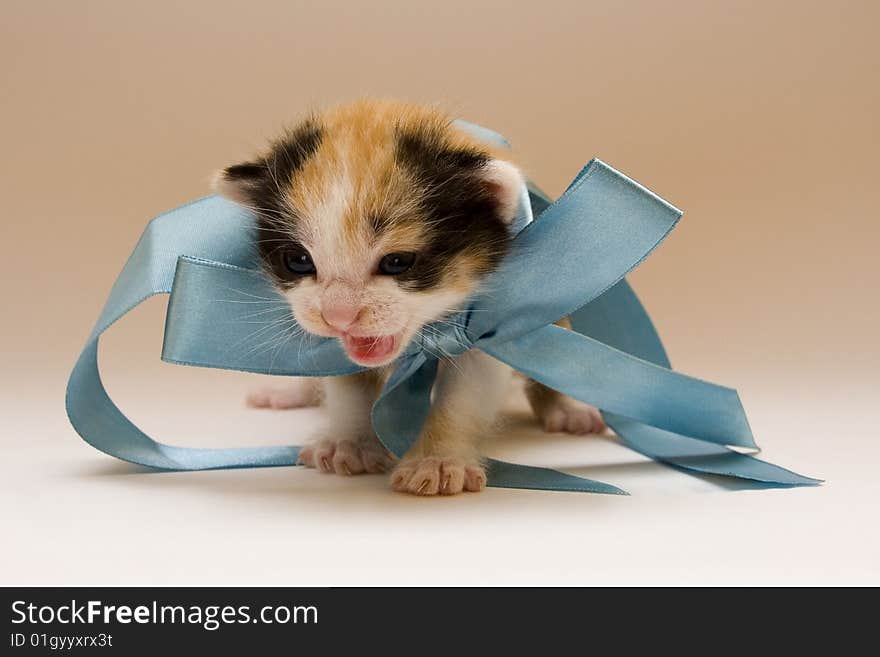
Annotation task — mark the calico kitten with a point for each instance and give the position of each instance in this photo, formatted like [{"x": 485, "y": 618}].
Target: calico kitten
[{"x": 375, "y": 219}]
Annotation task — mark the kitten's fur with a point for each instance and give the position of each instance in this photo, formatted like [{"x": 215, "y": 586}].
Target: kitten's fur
[{"x": 375, "y": 219}]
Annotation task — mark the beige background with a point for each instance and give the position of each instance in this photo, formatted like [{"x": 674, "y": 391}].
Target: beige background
[{"x": 759, "y": 119}]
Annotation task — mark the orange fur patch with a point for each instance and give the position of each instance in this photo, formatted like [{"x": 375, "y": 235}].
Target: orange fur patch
[{"x": 358, "y": 148}]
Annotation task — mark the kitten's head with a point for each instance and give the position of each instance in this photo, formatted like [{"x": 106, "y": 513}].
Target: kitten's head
[{"x": 375, "y": 219}]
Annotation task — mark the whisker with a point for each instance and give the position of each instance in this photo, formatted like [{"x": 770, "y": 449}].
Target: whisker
[
  {"x": 275, "y": 301},
  {"x": 264, "y": 346},
  {"x": 253, "y": 296},
  {"x": 265, "y": 311}
]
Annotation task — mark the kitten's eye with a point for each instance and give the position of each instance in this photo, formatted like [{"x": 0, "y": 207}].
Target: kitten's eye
[
  {"x": 298, "y": 261},
  {"x": 396, "y": 263}
]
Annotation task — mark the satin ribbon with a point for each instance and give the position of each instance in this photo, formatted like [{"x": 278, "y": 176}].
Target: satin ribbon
[{"x": 224, "y": 313}]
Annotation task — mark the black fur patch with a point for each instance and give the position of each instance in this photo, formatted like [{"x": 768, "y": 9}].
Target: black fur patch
[
  {"x": 264, "y": 182},
  {"x": 462, "y": 212}
]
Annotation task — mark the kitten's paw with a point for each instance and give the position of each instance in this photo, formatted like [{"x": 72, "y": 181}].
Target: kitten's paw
[
  {"x": 571, "y": 416},
  {"x": 346, "y": 457},
  {"x": 432, "y": 475},
  {"x": 299, "y": 394}
]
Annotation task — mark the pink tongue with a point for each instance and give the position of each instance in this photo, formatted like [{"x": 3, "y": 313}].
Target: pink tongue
[{"x": 371, "y": 347}]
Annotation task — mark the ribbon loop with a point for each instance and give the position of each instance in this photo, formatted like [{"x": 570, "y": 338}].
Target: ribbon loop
[{"x": 603, "y": 226}]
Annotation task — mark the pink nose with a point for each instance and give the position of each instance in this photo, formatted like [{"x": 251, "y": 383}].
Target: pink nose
[{"x": 340, "y": 315}]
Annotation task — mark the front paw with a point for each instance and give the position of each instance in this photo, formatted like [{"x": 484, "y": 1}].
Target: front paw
[
  {"x": 433, "y": 475},
  {"x": 571, "y": 416},
  {"x": 346, "y": 457}
]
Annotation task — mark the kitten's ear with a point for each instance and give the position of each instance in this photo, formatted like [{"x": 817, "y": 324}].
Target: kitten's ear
[
  {"x": 504, "y": 180},
  {"x": 241, "y": 182}
]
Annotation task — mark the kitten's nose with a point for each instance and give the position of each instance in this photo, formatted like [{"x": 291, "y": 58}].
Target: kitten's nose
[
  {"x": 340, "y": 305},
  {"x": 340, "y": 315}
]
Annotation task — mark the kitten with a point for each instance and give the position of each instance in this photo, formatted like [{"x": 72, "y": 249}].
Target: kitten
[{"x": 375, "y": 219}]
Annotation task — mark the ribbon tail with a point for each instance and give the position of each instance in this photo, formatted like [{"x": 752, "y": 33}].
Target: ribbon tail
[
  {"x": 596, "y": 373},
  {"x": 400, "y": 411},
  {"x": 617, "y": 318},
  {"x": 513, "y": 475},
  {"x": 698, "y": 456}
]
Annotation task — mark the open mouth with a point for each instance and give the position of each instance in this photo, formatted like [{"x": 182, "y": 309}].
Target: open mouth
[{"x": 371, "y": 349}]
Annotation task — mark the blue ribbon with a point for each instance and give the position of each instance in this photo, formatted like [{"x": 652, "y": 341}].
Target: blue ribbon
[{"x": 572, "y": 261}]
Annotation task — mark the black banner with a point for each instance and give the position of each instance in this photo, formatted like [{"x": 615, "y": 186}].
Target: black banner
[{"x": 130, "y": 620}]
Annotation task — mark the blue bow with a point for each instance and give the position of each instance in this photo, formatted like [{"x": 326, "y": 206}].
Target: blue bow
[{"x": 572, "y": 261}]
